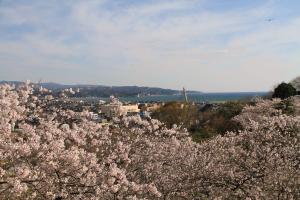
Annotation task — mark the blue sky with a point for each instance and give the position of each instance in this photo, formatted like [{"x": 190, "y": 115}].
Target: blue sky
[{"x": 207, "y": 45}]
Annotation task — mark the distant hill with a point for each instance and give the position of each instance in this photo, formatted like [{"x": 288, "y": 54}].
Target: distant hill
[{"x": 106, "y": 91}]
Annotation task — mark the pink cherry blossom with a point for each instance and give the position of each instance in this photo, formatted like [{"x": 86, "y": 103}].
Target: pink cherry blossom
[{"x": 61, "y": 154}]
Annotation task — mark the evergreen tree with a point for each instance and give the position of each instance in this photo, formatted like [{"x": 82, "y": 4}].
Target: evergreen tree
[{"x": 284, "y": 90}]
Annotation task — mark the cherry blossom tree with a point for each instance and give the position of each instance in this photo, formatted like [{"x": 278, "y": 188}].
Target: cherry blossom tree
[{"x": 50, "y": 153}]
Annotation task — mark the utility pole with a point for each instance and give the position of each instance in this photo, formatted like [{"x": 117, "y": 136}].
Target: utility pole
[{"x": 184, "y": 94}]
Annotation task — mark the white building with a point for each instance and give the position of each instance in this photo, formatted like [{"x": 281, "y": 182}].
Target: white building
[
  {"x": 132, "y": 108},
  {"x": 116, "y": 108},
  {"x": 112, "y": 110}
]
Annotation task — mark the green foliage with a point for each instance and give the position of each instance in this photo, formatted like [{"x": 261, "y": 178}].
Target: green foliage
[
  {"x": 171, "y": 113},
  {"x": 284, "y": 90},
  {"x": 230, "y": 109},
  {"x": 201, "y": 123},
  {"x": 286, "y": 106},
  {"x": 217, "y": 121}
]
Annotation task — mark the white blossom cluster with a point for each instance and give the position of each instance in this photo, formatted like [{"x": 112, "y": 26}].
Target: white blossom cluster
[{"x": 140, "y": 159}]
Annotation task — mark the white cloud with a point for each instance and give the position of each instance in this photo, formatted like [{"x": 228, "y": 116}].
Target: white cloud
[{"x": 164, "y": 43}]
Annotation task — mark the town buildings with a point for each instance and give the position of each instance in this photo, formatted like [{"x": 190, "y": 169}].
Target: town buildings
[{"x": 116, "y": 108}]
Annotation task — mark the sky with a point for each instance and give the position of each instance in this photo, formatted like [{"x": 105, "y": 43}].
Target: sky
[{"x": 204, "y": 45}]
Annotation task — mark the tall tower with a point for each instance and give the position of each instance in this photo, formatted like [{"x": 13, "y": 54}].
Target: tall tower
[{"x": 184, "y": 94}]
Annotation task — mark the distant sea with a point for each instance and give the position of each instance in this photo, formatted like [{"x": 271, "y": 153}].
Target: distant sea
[{"x": 198, "y": 98}]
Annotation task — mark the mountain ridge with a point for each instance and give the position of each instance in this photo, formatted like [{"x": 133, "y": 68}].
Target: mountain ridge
[{"x": 89, "y": 90}]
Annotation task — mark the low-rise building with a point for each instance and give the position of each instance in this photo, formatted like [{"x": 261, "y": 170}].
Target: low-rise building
[
  {"x": 115, "y": 108},
  {"x": 153, "y": 107},
  {"x": 131, "y": 108},
  {"x": 112, "y": 110}
]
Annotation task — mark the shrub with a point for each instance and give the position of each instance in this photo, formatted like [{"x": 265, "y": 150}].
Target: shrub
[
  {"x": 171, "y": 113},
  {"x": 284, "y": 90}
]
